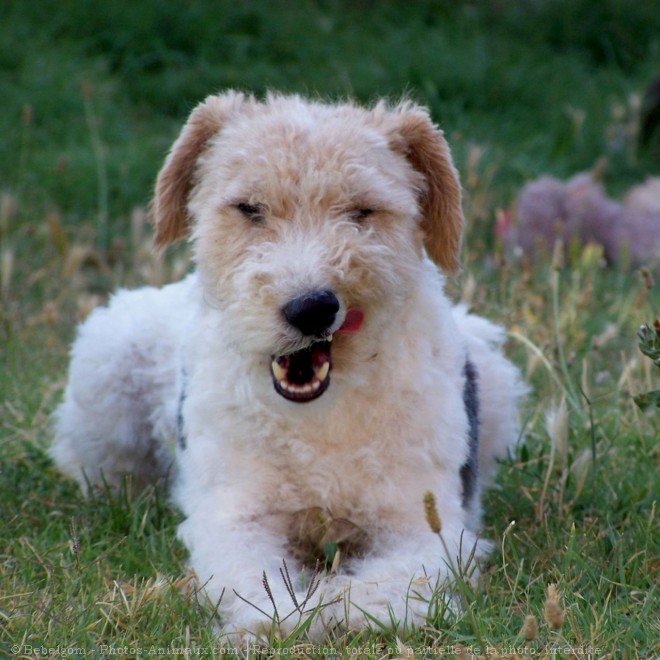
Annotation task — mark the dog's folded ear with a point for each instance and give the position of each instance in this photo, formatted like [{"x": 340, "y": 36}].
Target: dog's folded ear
[
  {"x": 169, "y": 208},
  {"x": 426, "y": 149}
]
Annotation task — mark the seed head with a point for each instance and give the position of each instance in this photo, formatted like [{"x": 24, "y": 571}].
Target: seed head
[
  {"x": 530, "y": 628},
  {"x": 552, "y": 611},
  {"x": 431, "y": 512}
]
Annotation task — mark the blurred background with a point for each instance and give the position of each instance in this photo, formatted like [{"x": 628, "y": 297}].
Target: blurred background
[{"x": 93, "y": 93}]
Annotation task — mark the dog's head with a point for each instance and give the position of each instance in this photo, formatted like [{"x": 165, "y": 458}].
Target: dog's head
[{"x": 310, "y": 223}]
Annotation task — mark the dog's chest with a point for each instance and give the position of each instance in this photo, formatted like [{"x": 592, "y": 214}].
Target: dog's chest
[
  {"x": 347, "y": 503},
  {"x": 361, "y": 479}
]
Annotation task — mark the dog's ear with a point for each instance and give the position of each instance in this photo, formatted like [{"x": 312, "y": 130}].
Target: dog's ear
[
  {"x": 169, "y": 208},
  {"x": 426, "y": 149}
]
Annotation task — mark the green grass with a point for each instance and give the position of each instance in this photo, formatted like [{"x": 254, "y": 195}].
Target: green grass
[{"x": 94, "y": 93}]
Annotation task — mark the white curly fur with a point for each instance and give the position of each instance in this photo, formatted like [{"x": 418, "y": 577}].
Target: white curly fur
[{"x": 194, "y": 358}]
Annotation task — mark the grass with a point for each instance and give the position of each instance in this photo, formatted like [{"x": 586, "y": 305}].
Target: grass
[{"x": 92, "y": 98}]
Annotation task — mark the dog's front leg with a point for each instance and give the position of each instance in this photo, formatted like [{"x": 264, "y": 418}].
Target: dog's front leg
[
  {"x": 248, "y": 574},
  {"x": 404, "y": 580}
]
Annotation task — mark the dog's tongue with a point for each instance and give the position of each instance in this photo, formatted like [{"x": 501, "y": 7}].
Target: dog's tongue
[{"x": 353, "y": 320}]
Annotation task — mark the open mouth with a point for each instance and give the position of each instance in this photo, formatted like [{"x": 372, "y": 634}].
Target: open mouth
[{"x": 304, "y": 375}]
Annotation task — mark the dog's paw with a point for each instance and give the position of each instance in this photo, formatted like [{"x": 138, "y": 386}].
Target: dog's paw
[
  {"x": 358, "y": 604},
  {"x": 254, "y": 620}
]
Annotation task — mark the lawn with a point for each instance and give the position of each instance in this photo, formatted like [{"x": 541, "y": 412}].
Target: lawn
[{"x": 93, "y": 95}]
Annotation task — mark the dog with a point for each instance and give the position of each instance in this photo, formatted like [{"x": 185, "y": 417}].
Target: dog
[{"x": 312, "y": 373}]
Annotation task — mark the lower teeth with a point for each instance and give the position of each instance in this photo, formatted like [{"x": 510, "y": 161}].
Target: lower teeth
[{"x": 300, "y": 389}]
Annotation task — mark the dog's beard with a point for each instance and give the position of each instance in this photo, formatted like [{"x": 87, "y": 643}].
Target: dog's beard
[{"x": 304, "y": 375}]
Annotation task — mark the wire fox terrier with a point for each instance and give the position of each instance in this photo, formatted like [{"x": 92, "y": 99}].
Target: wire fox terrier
[{"x": 314, "y": 376}]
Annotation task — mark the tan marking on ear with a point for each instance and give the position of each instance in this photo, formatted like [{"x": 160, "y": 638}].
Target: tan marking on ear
[
  {"x": 169, "y": 211},
  {"x": 426, "y": 149}
]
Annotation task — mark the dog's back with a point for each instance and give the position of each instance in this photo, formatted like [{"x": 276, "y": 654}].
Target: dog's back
[{"x": 119, "y": 413}]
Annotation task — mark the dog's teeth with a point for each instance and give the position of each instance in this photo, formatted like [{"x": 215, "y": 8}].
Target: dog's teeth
[
  {"x": 278, "y": 371},
  {"x": 322, "y": 372},
  {"x": 329, "y": 338},
  {"x": 315, "y": 385}
]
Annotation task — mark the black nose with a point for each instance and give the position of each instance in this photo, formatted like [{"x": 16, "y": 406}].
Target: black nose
[{"x": 312, "y": 313}]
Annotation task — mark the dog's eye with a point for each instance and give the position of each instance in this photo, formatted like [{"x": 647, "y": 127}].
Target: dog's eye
[
  {"x": 253, "y": 212},
  {"x": 361, "y": 214}
]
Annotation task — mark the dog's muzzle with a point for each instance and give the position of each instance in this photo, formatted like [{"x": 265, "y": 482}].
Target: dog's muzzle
[{"x": 304, "y": 375}]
